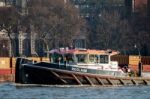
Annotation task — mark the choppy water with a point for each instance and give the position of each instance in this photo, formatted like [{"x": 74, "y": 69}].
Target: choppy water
[{"x": 11, "y": 91}]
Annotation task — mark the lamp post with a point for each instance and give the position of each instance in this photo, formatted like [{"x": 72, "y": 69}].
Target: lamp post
[{"x": 140, "y": 67}]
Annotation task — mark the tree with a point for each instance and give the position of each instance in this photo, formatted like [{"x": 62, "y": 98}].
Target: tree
[
  {"x": 54, "y": 21},
  {"x": 141, "y": 29},
  {"x": 112, "y": 32},
  {"x": 9, "y": 23},
  {"x": 96, "y": 11}
]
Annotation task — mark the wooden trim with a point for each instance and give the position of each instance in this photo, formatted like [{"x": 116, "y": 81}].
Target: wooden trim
[
  {"x": 100, "y": 81},
  {"x": 109, "y": 81},
  {"x": 145, "y": 82},
  {"x": 122, "y": 82},
  {"x": 87, "y": 78},
  {"x": 54, "y": 73},
  {"x": 134, "y": 82},
  {"x": 77, "y": 80}
]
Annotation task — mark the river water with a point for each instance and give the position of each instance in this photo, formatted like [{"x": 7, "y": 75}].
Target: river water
[{"x": 13, "y": 91}]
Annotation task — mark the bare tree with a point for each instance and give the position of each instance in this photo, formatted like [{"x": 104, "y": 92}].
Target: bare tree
[
  {"x": 9, "y": 22},
  {"x": 141, "y": 27},
  {"x": 112, "y": 31},
  {"x": 54, "y": 22}
]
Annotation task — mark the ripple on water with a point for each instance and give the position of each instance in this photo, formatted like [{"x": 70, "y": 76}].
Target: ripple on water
[{"x": 11, "y": 91}]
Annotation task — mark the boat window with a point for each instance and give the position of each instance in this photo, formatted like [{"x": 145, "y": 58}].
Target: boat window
[
  {"x": 81, "y": 58},
  {"x": 69, "y": 58},
  {"x": 103, "y": 58},
  {"x": 93, "y": 58},
  {"x": 57, "y": 57}
]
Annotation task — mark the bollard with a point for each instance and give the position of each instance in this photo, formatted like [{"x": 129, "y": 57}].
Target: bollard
[
  {"x": 17, "y": 69},
  {"x": 140, "y": 69}
]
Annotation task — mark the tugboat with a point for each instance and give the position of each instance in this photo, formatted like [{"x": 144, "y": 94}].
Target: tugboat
[{"x": 75, "y": 67}]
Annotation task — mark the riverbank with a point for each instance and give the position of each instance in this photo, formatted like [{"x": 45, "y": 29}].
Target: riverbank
[
  {"x": 7, "y": 78},
  {"x": 7, "y": 75}
]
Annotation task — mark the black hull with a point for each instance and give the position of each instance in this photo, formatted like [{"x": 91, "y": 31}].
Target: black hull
[{"x": 35, "y": 74}]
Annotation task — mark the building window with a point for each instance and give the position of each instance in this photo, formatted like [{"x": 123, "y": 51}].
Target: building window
[
  {"x": 79, "y": 43},
  {"x": 10, "y": 2},
  {"x": 77, "y": 6}
]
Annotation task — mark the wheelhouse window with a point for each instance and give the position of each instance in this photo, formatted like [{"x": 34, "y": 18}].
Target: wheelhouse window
[
  {"x": 81, "y": 58},
  {"x": 56, "y": 58},
  {"x": 69, "y": 58},
  {"x": 62, "y": 58},
  {"x": 104, "y": 59},
  {"x": 93, "y": 58}
]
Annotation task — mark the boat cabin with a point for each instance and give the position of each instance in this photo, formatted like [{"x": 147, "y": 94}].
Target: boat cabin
[{"x": 96, "y": 59}]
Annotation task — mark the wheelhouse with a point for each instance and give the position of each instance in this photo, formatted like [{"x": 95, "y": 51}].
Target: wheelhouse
[{"x": 81, "y": 56}]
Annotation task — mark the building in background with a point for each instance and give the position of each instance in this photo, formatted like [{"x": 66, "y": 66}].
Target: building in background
[
  {"x": 7, "y": 2},
  {"x": 5, "y": 45},
  {"x": 89, "y": 9}
]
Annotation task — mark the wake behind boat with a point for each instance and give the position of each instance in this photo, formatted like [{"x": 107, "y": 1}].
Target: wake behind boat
[{"x": 76, "y": 67}]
